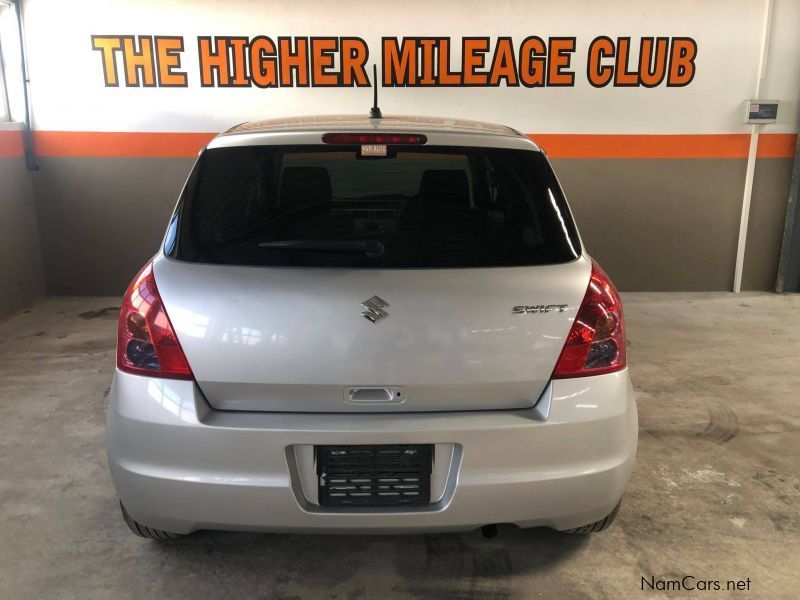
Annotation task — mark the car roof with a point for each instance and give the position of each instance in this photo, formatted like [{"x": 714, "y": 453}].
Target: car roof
[{"x": 396, "y": 123}]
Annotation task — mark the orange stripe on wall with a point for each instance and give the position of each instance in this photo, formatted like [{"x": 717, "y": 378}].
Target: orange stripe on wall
[
  {"x": 732, "y": 145},
  {"x": 11, "y": 144},
  {"x": 559, "y": 145},
  {"x": 119, "y": 144},
  {"x": 777, "y": 145},
  {"x": 644, "y": 146}
]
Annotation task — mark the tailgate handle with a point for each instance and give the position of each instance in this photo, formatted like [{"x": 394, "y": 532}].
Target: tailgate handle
[{"x": 373, "y": 395}]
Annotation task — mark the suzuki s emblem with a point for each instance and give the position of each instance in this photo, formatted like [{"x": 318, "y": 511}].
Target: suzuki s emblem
[{"x": 373, "y": 309}]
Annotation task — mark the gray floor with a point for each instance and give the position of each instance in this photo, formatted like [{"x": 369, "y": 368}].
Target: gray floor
[{"x": 715, "y": 494}]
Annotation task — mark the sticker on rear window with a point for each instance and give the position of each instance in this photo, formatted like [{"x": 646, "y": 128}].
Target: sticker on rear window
[{"x": 373, "y": 150}]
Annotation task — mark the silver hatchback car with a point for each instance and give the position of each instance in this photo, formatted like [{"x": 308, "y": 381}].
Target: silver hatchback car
[{"x": 370, "y": 325}]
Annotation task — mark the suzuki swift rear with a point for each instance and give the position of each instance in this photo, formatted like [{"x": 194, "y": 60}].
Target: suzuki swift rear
[{"x": 374, "y": 325}]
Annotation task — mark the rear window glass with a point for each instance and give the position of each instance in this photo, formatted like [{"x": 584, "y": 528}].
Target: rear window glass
[{"x": 417, "y": 207}]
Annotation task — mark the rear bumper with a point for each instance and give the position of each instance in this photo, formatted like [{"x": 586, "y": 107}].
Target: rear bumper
[{"x": 180, "y": 466}]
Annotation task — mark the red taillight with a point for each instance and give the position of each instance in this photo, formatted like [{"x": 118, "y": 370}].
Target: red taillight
[
  {"x": 146, "y": 341},
  {"x": 596, "y": 341},
  {"x": 374, "y": 138}
]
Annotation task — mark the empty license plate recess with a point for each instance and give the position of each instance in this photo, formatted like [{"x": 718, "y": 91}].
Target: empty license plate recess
[{"x": 374, "y": 475}]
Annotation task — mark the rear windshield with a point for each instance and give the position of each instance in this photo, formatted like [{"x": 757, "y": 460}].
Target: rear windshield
[{"x": 329, "y": 206}]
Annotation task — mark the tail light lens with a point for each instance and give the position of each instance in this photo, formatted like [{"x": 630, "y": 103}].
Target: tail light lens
[
  {"x": 596, "y": 341},
  {"x": 146, "y": 341}
]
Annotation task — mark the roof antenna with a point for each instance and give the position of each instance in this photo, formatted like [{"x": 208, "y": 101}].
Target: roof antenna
[{"x": 375, "y": 112}]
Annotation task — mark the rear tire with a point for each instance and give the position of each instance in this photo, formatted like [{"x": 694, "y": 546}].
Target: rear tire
[
  {"x": 144, "y": 531},
  {"x": 600, "y": 525}
]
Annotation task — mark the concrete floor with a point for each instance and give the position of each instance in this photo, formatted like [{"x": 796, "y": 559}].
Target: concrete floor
[{"x": 715, "y": 494}]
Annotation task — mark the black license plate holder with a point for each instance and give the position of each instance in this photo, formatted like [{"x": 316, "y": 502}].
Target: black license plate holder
[{"x": 374, "y": 475}]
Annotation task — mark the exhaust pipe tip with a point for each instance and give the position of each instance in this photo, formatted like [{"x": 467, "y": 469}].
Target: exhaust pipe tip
[{"x": 489, "y": 531}]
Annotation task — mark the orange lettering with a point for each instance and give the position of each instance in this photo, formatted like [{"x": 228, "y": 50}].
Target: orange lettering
[
  {"x": 681, "y": 68},
  {"x": 399, "y": 66},
  {"x": 503, "y": 64},
  {"x": 136, "y": 62},
  {"x": 428, "y": 45},
  {"x": 322, "y": 60},
  {"x": 474, "y": 49},
  {"x": 652, "y": 62},
  {"x": 239, "y": 66},
  {"x": 294, "y": 61},
  {"x": 262, "y": 62},
  {"x": 532, "y": 65},
  {"x": 623, "y": 77},
  {"x": 445, "y": 76},
  {"x": 560, "y": 51},
  {"x": 600, "y": 75},
  {"x": 167, "y": 51},
  {"x": 354, "y": 57},
  {"x": 211, "y": 62},
  {"x": 108, "y": 45}
]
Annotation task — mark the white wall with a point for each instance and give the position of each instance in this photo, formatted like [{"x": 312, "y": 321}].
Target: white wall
[{"x": 68, "y": 91}]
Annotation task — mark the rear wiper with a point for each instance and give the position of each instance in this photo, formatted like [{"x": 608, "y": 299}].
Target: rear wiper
[{"x": 372, "y": 248}]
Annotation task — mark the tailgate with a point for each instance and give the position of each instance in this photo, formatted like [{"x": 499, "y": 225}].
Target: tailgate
[{"x": 295, "y": 339}]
